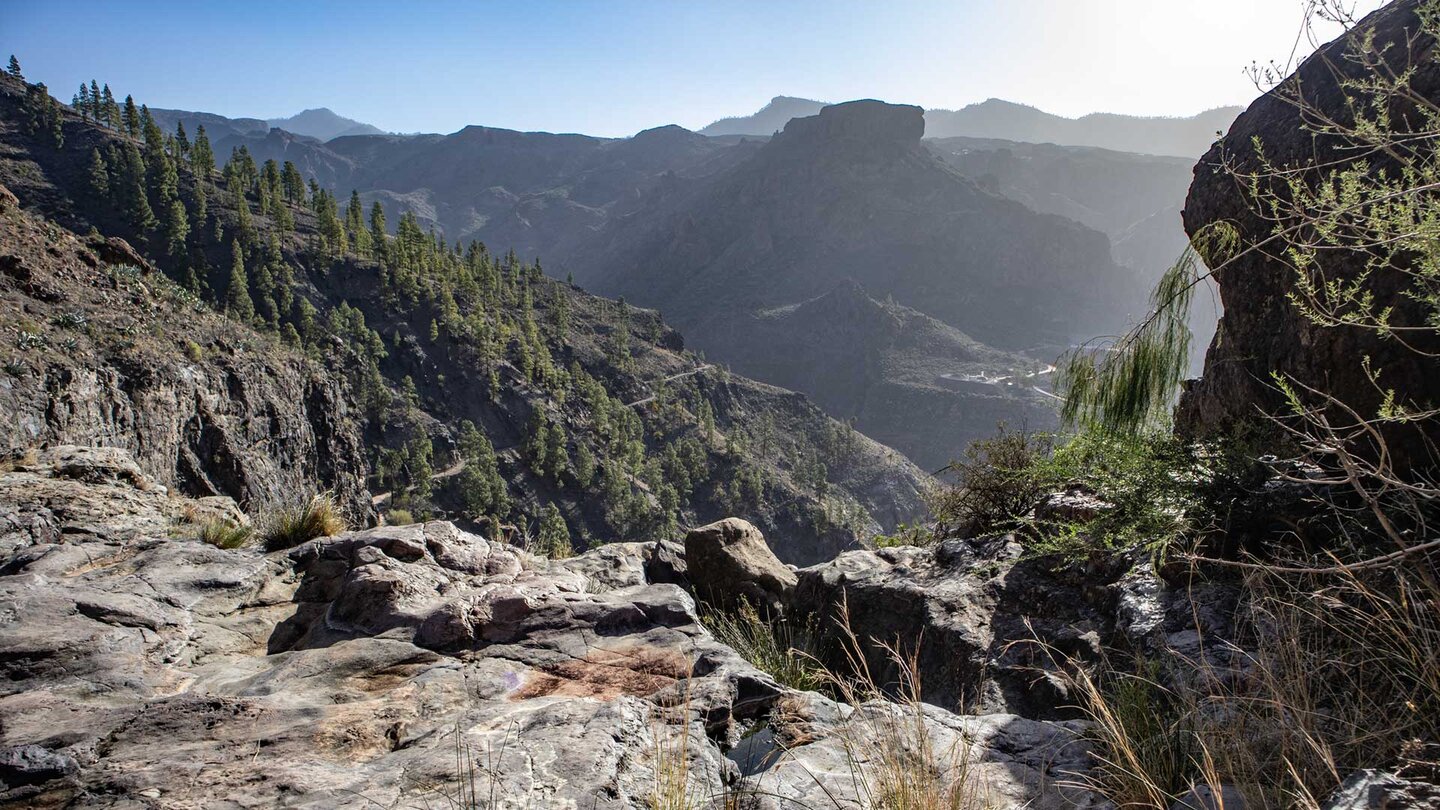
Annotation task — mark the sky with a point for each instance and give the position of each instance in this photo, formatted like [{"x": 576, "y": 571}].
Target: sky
[{"x": 615, "y": 67}]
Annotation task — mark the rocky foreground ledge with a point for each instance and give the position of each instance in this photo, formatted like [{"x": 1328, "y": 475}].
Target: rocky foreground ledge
[{"x": 144, "y": 668}]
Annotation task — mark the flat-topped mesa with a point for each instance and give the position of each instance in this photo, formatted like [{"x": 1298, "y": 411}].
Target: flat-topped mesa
[{"x": 867, "y": 121}]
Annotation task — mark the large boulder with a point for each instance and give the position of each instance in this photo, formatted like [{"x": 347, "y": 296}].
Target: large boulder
[
  {"x": 841, "y": 756},
  {"x": 729, "y": 562},
  {"x": 1262, "y": 332}
]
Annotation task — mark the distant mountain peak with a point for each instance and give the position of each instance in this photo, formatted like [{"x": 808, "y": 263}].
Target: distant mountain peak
[
  {"x": 768, "y": 120},
  {"x": 323, "y": 123}
]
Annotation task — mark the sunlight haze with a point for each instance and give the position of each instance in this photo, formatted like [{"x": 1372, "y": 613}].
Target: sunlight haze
[{"x": 619, "y": 67}]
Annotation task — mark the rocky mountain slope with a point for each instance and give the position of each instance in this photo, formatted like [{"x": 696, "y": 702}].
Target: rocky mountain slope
[
  {"x": 479, "y": 388},
  {"x": 852, "y": 195},
  {"x": 100, "y": 347},
  {"x": 893, "y": 218},
  {"x": 530, "y": 191},
  {"x": 905, "y": 379},
  {"x": 1134, "y": 199}
]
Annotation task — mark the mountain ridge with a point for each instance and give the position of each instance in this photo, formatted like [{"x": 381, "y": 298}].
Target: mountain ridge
[{"x": 1007, "y": 120}]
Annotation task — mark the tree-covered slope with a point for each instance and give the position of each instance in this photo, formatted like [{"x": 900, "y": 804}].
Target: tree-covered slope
[{"x": 484, "y": 390}]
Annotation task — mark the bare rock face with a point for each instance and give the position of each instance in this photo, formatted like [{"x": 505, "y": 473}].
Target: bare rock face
[
  {"x": 866, "y": 124},
  {"x": 1377, "y": 790},
  {"x": 993, "y": 760},
  {"x": 1261, "y": 331},
  {"x": 398, "y": 667},
  {"x": 729, "y": 562}
]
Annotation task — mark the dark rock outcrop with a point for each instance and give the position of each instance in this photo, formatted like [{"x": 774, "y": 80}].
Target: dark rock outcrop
[
  {"x": 1261, "y": 332},
  {"x": 989, "y": 624}
]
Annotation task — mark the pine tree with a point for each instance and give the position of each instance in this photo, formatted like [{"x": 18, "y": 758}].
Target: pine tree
[
  {"x": 557, "y": 459},
  {"x": 81, "y": 102},
  {"x": 14, "y": 68},
  {"x": 176, "y": 224},
  {"x": 132, "y": 118},
  {"x": 377, "y": 231},
  {"x": 182, "y": 142},
  {"x": 280, "y": 271},
  {"x": 537, "y": 440},
  {"x": 202, "y": 158},
  {"x": 418, "y": 453},
  {"x": 99, "y": 176},
  {"x": 132, "y": 200},
  {"x": 238, "y": 303},
  {"x": 294, "y": 184},
  {"x": 553, "y": 540},
  {"x": 584, "y": 465},
  {"x": 97, "y": 105},
  {"x": 111, "y": 109},
  {"x": 355, "y": 230}
]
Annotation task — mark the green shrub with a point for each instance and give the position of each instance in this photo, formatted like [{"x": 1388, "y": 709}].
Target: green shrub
[
  {"x": 288, "y": 525},
  {"x": 1157, "y": 488},
  {"x": 193, "y": 351},
  {"x": 997, "y": 483},
  {"x": 904, "y": 535},
  {"x": 399, "y": 517}
]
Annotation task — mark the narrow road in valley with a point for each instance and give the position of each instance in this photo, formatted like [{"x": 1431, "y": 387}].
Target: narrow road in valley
[
  {"x": 449, "y": 472},
  {"x": 692, "y": 372}
]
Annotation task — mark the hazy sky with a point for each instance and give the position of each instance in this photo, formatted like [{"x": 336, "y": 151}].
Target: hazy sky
[{"x": 613, "y": 67}]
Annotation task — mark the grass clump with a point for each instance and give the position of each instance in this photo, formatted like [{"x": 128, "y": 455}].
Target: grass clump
[
  {"x": 226, "y": 533},
  {"x": 776, "y": 648},
  {"x": 906, "y": 535},
  {"x": 289, "y": 524}
]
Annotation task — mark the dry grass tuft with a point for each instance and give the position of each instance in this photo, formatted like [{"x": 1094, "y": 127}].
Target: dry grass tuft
[
  {"x": 893, "y": 759},
  {"x": 1338, "y": 672},
  {"x": 776, "y": 648},
  {"x": 289, "y": 525},
  {"x": 226, "y": 533}
]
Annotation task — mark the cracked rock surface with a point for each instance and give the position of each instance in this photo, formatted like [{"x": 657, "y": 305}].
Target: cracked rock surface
[{"x": 396, "y": 667}]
